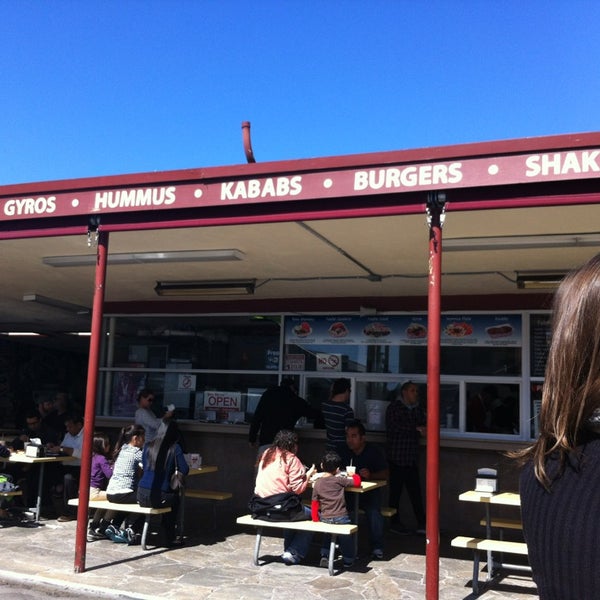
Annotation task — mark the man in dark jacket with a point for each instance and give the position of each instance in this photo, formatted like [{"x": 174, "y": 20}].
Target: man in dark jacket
[
  {"x": 405, "y": 424},
  {"x": 279, "y": 408}
]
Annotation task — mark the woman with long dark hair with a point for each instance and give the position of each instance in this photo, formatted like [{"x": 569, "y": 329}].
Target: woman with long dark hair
[
  {"x": 559, "y": 484},
  {"x": 123, "y": 483},
  {"x": 160, "y": 458},
  {"x": 281, "y": 471}
]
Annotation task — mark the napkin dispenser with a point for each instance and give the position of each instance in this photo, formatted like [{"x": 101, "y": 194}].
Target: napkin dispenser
[
  {"x": 34, "y": 451},
  {"x": 487, "y": 480}
]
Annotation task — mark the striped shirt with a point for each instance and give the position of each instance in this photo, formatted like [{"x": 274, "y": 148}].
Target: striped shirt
[{"x": 337, "y": 415}]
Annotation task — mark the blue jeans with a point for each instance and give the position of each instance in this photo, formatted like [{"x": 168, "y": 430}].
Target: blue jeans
[
  {"x": 346, "y": 542},
  {"x": 370, "y": 502},
  {"x": 298, "y": 542}
]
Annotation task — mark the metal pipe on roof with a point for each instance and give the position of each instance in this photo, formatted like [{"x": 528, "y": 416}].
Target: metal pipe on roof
[{"x": 247, "y": 142}]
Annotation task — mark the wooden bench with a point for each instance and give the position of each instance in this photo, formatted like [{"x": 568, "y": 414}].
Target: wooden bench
[
  {"x": 486, "y": 545},
  {"x": 312, "y": 526},
  {"x": 386, "y": 511},
  {"x": 11, "y": 494},
  {"x": 503, "y": 523},
  {"x": 211, "y": 495},
  {"x": 127, "y": 508}
]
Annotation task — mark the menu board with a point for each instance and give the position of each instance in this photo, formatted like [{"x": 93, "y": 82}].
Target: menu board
[
  {"x": 404, "y": 330},
  {"x": 541, "y": 335}
]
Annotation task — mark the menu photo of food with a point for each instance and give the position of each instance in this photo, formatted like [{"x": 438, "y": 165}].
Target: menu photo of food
[
  {"x": 416, "y": 331},
  {"x": 302, "y": 329},
  {"x": 376, "y": 330},
  {"x": 338, "y": 330},
  {"x": 498, "y": 331},
  {"x": 458, "y": 329}
]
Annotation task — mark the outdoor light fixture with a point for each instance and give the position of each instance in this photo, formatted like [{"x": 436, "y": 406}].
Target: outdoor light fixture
[
  {"x": 521, "y": 242},
  {"x": 234, "y": 287},
  {"x": 136, "y": 258},
  {"x": 539, "y": 281},
  {"x": 54, "y": 303},
  {"x": 22, "y": 333}
]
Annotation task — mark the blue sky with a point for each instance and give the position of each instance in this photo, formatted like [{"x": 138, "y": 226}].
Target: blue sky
[{"x": 93, "y": 88}]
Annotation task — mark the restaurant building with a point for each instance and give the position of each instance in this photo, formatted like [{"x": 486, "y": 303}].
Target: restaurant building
[{"x": 220, "y": 281}]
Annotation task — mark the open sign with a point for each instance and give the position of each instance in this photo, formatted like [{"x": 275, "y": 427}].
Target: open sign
[{"x": 222, "y": 400}]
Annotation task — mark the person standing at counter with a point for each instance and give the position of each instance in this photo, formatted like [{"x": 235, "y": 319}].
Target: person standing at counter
[
  {"x": 338, "y": 413},
  {"x": 405, "y": 423},
  {"x": 144, "y": 417},
  {"x": 561, "y": 476},
  {"x": 279, "y": 408}
]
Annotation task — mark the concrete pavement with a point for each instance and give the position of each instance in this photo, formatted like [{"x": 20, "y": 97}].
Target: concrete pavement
[{"x": 216, "y": 564}]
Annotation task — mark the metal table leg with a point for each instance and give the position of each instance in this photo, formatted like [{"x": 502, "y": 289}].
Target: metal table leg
[{"x": 40, "y": 491}]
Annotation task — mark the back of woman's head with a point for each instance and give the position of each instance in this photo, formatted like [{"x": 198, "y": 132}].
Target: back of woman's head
[
  {"x": 286, "y": 441},
  {"x": 158, "y": 448},
  {"x": 571, "y": 390},
  {"x": 171, "y": 433},
  {"x": 126, "y": 434}
]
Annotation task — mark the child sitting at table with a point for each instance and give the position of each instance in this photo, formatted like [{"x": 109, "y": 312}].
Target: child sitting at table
[
  {"x": 329, "y": 505},
  {"x": 101, "y": 472}
]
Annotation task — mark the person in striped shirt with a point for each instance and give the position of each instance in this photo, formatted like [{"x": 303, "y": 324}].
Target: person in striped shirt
[{"x": 337, "y": 413}]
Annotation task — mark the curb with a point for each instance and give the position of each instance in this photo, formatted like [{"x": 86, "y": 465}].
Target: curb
[{"x": 91, "y": 590}]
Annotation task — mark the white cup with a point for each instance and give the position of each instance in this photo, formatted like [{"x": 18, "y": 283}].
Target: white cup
[
  {"x": 194, "y": 461},
  {"x": 350, "y": 470}
]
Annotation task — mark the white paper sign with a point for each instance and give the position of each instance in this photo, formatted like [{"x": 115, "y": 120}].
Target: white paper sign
[{"x": 186, "y": 383}]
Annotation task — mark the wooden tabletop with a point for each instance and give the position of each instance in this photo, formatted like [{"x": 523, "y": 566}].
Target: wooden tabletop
[
  {"x": 366, "y": 486},
  {"x": 203, "y": 470},
  {"x": 19, "y": 457},
  {"x": 506, "y": 498}
]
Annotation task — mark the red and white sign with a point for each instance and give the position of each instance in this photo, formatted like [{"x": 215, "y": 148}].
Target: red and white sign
[
  {"x": 329, "y": 362},
  {"x": 294, "y": 362},
  {"x": 307, "y": 186},
  {"x": 222, "y": 401},
  {"x": 186, "y": 383}
]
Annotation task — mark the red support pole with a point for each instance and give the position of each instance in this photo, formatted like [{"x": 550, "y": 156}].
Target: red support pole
[
  {"x": 435, "y": 207},
  {"x": 90, "y": 403}
]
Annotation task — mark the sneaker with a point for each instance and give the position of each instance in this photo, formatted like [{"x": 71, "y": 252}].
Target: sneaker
[
  {"x": 289, "y": 558},
  {"x": 324, "y": 562},
  {"x": 120, "y": 537},
  {"x": 377, "y": 554},
  {"x": 110, "y": 532},
  {"x": 95, "y": 534},
  {"x": 133, "y": 538},
  {"x": 348, "y": 564},
  {"x": 176, "y": 542}
]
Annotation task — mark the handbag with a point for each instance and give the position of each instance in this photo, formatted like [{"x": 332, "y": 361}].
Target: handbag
[
  {"x": 286, "y": 506},
  {"x": 178, "y": 478}
]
